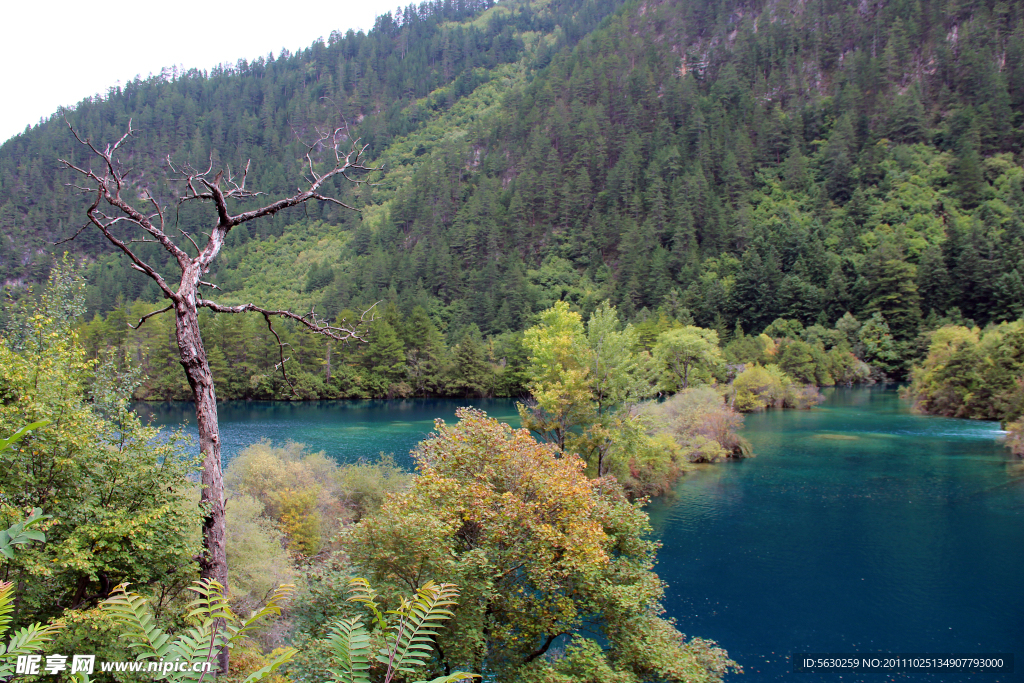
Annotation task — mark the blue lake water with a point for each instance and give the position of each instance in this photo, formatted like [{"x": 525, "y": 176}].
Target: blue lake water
[
  {"x": 858, "y": 528},
  {"x": 344, "y": 430}
]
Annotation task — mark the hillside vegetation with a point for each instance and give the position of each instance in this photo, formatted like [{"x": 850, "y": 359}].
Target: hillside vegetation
[{"x": 730, "y": 164}]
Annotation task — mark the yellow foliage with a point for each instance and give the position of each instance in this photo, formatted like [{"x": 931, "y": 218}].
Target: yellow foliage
[
  {"x": 559, "y": 373},
  {"x": 300, "y": 519},
  {"x": 537, "y": 502},
  {"x": 770, "y": 347},
  {"x": 248, "y": 657},
  {"x": 297, "y": 490},
  {"x": 537, "y": 549},
  {"x": 756, "y": 388}
]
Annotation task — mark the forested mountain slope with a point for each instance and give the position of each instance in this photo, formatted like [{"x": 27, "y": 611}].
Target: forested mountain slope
[
  {"x": 741, "y": 161},
  {"x": 410, "y": 70},
  {"x": 744, "y": 160}
]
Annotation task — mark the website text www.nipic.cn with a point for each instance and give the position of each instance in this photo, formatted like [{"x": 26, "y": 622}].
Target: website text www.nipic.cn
[{"x": 37, "y": 665}]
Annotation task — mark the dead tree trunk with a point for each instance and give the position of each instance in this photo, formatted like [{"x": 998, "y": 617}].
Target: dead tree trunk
[
  {"x": 107, "y": 186},
  {"x": 214, "y": 562}
]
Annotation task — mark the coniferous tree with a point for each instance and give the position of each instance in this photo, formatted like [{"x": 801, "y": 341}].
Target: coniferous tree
[{"x": 892, "y": 291}]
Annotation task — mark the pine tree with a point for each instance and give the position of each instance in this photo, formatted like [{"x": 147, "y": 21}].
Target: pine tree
[
  {"x": 471, "y": 373},
  {"x": 385, "y": 353},
  {"x": 933, "y": 281},
  {"x": 892, "y": 291}
]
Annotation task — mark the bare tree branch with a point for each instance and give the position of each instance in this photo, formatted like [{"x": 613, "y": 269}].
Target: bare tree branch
[
  {"x": 137, "y": 263},
  {"x": 157, "y": 207},
  {"x": 189, "y": 237},
  {"x": 280, "y": 349},
  {"x": 108, "y": 186},
  {"x": 333, "y": 201},
  {"x": 59, "y": 242},
  {"x": 150, "y": 315},
  {"x": 312, "y": 321}
]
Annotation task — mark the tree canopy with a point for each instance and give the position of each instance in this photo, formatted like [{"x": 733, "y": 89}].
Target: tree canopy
[
  {"x": 539, "y": 551},
  {"x": 120, "y": 495}
]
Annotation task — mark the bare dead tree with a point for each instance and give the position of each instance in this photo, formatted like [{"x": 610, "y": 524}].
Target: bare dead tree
[{"x": 111, "y": 211}]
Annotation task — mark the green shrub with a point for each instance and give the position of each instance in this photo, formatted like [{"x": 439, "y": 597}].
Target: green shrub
[
  {"x": 759, "y": 387},
  {"x": 700, "y": 423},
  {"x": 1015, "y": 437},
  {"x": 257, "y": 560},
  {"x": 298, "y": 491},
  {"x": 364, "y": 485},
  {"x": 756, "y": 388}
]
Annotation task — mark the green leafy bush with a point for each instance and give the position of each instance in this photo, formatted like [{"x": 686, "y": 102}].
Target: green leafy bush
[{"x": 703, "y": 426}]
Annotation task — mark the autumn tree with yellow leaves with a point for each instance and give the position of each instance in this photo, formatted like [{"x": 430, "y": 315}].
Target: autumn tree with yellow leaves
[
  {"x": 560, "y": 375},
  {"x": 541, "y": 553},
  {"x": 584, "y": 379}
]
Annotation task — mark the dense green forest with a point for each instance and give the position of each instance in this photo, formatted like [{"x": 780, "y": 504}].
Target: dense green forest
[
  {"x": 410, "y": 71},
  {"x": 726, "y": 164}
]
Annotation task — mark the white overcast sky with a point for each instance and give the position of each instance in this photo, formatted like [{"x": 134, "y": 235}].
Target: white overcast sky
[{"x": 55, "y": 53}]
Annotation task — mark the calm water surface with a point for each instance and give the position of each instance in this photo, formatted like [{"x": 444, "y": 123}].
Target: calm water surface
[
  {"x": 857, "y": 528},
  {"x": 344, "y": 430}
]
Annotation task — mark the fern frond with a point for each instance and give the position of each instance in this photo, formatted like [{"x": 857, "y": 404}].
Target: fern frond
[
  {"x": 273, "y": 606},
  {"x": 278, "y": 661},
  {"x": 349, "y": 643},
  {"x": 211, "y": 603},
  {"x": 30, "y": 639},
  {"x": 6, "y": 605},
  {"x": 5, "y": 443},
  {"x": 413, "y": 639},
  {"x": 80, "y": 677},
  {"x": 132, "y": 611},
  {"x": 19, "y": 534},
  {"x": 196, "y": 644},
  {"x": 363, "y": 592}
]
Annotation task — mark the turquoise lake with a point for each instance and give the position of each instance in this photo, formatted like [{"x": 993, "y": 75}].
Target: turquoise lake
[{"x": 857, "y": 528}]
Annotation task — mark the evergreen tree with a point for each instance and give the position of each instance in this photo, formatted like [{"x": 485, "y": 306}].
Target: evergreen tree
[
  {"x": 933, "y": 281},
  {"x": 618, "y": 173},
  {"x": 892, "y": 291},
  {"x": 471, "y": 373},
  {"x": 385, "y": 353}
]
